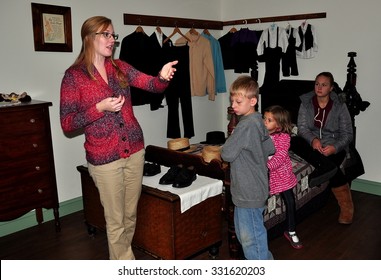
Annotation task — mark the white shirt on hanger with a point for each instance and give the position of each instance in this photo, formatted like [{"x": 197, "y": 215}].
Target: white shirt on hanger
[
  {"x": 269, "y": 39},
  {"x": 159, "y": 36}
]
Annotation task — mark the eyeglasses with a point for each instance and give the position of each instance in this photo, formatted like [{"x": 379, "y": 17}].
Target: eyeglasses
[{"x": 108, "y": 35}]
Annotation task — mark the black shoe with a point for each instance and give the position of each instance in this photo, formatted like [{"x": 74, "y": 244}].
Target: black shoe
[
  {"x": 185, "y": 177},
  {"x": 169, "y": 177},
  {"x": 151, "y": 169},
  {"x": 320, "y": 175}
]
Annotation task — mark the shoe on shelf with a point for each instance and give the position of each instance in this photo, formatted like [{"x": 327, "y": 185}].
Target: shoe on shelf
[
  {"x": 185, "y": 177},
  {"x": 294, "y": 240},
  {"x": 151, "y": 169},
  {"x": 169, "y": 177}
]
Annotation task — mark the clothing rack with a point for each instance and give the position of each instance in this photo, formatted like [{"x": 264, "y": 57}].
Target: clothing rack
[
  {"x": 276, "y": 19},
  {"x": 146, "y": 20},
  {"x": 134, "y": 19}
]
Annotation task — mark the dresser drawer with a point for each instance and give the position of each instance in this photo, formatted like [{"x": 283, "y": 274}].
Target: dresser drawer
[
  {"x": 15, "y": 171},
  {"x": 26, "y": 145},
  {"x": 22, "y": 122},
  {"x": 20, "y": 198}
]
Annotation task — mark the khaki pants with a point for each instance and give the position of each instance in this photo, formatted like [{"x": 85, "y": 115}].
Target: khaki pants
[{"x": 119, "y": 184}]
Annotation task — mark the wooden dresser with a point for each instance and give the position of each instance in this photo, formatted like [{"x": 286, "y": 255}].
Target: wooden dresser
[{"x": 27, "y": 174}]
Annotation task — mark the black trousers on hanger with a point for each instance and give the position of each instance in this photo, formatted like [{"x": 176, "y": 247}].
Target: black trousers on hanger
[
  {"x": 289, "y": 64},
  {"x": 179, "y": 93},
  {"x": 273, "y": 57}
]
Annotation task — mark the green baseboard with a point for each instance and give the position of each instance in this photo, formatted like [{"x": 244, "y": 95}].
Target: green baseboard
[
  {"x": 366, "y": 186},
  {"x": 29, "y": 219},
  {"x": 76, "y": 204}
]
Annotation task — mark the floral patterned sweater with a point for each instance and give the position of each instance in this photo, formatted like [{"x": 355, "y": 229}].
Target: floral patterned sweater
[{"x": 109, "y": 136}]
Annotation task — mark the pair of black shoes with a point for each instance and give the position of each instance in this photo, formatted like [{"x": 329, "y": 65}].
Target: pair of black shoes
[
  {"x": 151, "y": 169},
  {"x": 179, "y": 176}
]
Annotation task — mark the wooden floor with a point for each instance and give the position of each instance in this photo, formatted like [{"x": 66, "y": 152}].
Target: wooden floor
[{"x": 323, "y": 238}]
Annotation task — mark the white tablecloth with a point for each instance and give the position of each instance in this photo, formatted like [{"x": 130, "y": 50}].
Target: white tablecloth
[{"x": 201, "y": 189}]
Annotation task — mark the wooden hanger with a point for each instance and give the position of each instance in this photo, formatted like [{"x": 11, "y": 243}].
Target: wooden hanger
[
  {"x": 233, "y": 30},
  {"x": 193, "y": 31},
  {"x": 206, "y": 31},
  {"x": 139, "y": 29},
  {"x": 176, "y": 31},
  {"x": 158, "y": 29}
]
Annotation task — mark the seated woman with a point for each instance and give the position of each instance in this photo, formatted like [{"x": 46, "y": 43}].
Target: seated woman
[{"x": 324, "y": 134}]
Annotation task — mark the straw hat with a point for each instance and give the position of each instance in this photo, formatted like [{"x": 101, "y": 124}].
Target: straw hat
[
  {"x": 211, "y": 152},
  {"x": 181, "y": 145}
]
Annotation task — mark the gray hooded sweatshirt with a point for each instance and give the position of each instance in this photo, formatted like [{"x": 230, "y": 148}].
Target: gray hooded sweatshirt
[
  {"x": 247, "y": 149},
  {"x": 337, "y": 130}
]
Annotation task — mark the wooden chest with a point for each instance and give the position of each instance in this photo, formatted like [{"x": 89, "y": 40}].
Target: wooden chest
[
  {"x": 27, "y": 173},
  {"x": 162, "y": 230}
]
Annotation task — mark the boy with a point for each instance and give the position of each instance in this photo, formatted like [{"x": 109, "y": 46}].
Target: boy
[{"x": 247, "y": 150}]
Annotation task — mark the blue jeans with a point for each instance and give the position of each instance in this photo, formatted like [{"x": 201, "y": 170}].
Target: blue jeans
[{"x": 251, "y": 233}]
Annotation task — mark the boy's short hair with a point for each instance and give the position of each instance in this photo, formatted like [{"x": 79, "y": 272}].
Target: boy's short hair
[{"x": 245, "y": 86}]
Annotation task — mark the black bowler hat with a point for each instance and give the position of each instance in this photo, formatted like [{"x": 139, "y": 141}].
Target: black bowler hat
[{"x": 214, "y": 138}]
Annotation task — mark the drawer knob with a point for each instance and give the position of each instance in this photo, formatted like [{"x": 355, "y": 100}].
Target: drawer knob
[
  {"x": 38, "y": 168},
  {"x": 39, "y": 190},
  {"x": 32, "y": 120},
  {"x": 35, "y": 145}
]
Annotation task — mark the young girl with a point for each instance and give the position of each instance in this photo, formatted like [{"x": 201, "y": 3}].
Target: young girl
[{"x": 282, "y": 179}]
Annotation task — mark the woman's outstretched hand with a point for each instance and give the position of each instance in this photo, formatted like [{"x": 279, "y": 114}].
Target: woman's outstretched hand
[{"x": 168, "y": 70}]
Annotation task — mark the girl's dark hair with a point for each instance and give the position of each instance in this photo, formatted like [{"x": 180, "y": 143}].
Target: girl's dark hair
[{"x": 281, "y": 116}]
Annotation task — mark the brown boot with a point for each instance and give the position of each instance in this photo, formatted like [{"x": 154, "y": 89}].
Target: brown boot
[{"x": 344, "y": 198}]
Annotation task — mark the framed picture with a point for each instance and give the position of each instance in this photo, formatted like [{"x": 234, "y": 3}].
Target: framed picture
[{"x": 52, "y": 28}]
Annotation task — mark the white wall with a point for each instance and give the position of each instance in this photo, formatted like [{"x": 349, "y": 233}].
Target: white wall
[
  {"x": 350, "y": 26},
  {"x": 346, "y": 28},
  {"x": 40, "y": 73}
]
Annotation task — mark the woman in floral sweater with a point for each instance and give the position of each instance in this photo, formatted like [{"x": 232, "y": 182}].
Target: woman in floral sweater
[{"x": 95, "y": 96}]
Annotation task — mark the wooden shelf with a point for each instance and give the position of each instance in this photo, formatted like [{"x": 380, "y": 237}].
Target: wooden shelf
[
  {"x": 132, "y": 19},
  {"x": 149, "y": 20},
  {"x": 276, "y": 19}
]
